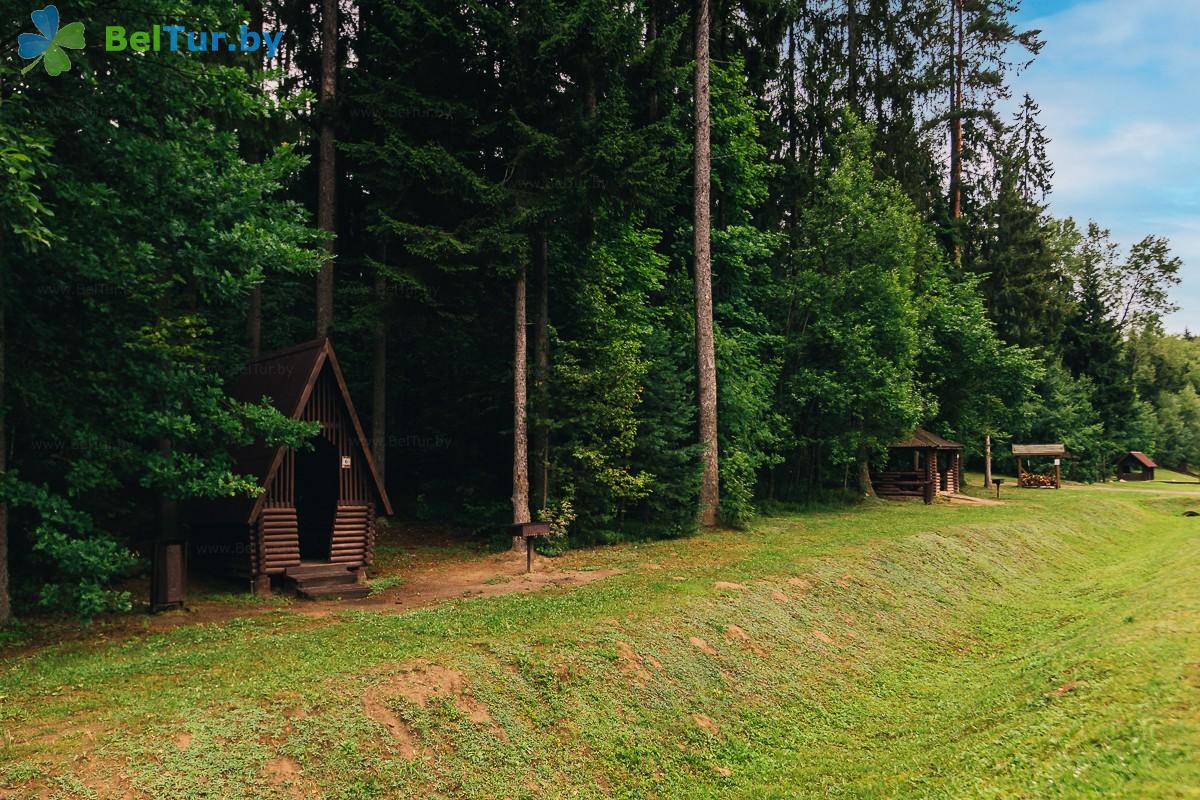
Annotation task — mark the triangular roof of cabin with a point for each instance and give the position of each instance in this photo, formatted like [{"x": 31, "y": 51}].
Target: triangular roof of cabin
[
  {"x": 922, "y": 439},
  {"x": 1142, "y": 459},
  {"x": 287, "y": 377}
]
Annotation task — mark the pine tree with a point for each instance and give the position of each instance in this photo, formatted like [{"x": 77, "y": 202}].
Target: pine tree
[
  {"x": 706, "y": 367},
  {"x": 327, "y": 161}
]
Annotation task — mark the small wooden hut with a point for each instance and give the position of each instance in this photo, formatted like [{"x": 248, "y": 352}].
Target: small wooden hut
[
  {"x": 1029, "y": 479},
  {"x": 1136, "y": 466},
  {"x": 314, "y": 523},
  {"x": 923, "y": 465}
]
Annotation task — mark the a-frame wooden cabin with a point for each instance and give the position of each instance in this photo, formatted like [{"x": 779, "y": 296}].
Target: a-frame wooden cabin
[{"x": 314, "y": 523}]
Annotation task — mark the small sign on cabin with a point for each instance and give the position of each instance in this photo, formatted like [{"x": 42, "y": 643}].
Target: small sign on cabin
[
  {"x": 345, "y": 462},
  {"x": 1057, "y": 462}
]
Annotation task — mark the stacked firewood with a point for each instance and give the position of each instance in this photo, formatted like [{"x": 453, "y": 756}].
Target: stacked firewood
[{"x": 1034, "y": 480}]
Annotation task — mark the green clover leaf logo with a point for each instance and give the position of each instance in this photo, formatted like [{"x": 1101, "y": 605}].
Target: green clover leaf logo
[{"x": 47, "y": 45}]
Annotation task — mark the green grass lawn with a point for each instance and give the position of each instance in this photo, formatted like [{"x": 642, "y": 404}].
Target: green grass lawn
[{"x": 1046, "y": 647}]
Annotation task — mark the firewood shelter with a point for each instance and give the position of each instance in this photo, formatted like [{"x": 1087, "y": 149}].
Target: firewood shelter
[{"x": 1047, "y": 458}]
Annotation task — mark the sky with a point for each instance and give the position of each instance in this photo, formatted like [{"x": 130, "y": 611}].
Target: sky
[{"x": 1119, "y": 89}]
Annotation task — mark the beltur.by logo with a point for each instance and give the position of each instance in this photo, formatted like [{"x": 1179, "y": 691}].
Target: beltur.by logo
[
  {"x": 176, "y": 38},
  {"x": 46, "y": 46}
]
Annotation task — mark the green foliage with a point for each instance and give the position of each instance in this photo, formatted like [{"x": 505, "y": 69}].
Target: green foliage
[
  {"x": 852, "y": 342},
  {"x": 978, "y": 385},
  {"x": 144, "y": 197},
  {"x": 157, "y": 229},
  {"x": 80, "y": 560}
]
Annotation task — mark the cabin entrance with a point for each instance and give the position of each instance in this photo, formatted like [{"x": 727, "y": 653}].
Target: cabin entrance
[{"x": 317, "y": 473}]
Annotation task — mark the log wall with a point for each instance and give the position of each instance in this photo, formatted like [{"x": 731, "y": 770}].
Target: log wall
[
  {"x": 278, "y": 540},
  {"x": 275, "y": 540}
]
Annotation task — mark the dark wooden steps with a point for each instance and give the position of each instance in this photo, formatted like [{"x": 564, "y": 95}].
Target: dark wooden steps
[
  {"x": 340, "y": 591},
  {"x": 324, "y": 581}
]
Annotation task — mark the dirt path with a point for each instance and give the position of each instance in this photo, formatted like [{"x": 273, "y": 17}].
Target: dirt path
[
  {"x": 490, "y": 576},
  {"x": 431, "y": 578}
]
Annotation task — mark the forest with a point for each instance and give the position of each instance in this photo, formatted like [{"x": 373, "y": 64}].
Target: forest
[{"x": 633, "y": 268}]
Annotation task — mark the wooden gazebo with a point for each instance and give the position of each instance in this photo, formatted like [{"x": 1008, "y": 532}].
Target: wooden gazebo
[
  {"x": 923, "y": 465},
  {"x": 1029, "y": 479},
  {"x": 1136, "y": 466},
  {"x": 314, "y": 523}
]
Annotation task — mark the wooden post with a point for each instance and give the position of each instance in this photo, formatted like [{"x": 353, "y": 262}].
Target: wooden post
[
  {"x": 529, "y": 531},
  {"x": 1057, "y": 473},
  {"x": 931, "y": 475}
]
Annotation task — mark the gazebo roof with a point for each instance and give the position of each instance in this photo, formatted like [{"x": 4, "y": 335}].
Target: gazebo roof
[
  {"x": 922, "y": 439},
  {"x": 1142, "y": 459}
]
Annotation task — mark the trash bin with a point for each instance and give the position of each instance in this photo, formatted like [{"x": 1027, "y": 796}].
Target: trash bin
[{"x": 168, "y": 576}]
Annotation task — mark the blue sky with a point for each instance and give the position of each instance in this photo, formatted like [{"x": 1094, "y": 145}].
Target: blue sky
[{"x": 1119, "y": 88}]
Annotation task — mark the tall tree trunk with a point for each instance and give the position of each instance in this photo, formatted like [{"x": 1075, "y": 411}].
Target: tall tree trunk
[
  {"x": 864, "y": 478},
  {"x": 852, "y": 37},
  {"x": 520, "y": 470},
  {"x": 326, "y": 165},
  {"x": 541, "y": 372},
  {"x": 254, "y": 309},
  {"x": 379, "y": 373},
  {"x": 791, "y": 91},
  {"x": 956, "y": 123},
  {"x": 706, "y": 366},
  {"x": 651, "y": 38},
  {"x": 5, "y": 602}
]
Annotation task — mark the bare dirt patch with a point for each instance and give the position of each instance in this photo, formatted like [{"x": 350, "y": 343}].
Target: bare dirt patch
[
  {"x": 491, "y": 576},
  {"x": 702, "y": 646},
  {"x": 183, "y": 740},
  {"x": 727, "y": 585},
  {"x": 1066, "y": 688},
  {"x": 705, "y": 723},
  {"x": 799, "y": 583},
  {"x": 824, "y": 637},
  {"x": 739, "y": 635},
  {"x": 631, "y": 662},
  {"x": 282, "y": 768},
  {"x": 287, "y": 772},
  {"x": 376, "y": 707},
  {"x": 418, "y": 683},
  {"x": 780, "y": 596}
]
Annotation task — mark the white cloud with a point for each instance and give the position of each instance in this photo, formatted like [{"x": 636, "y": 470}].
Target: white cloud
[{"x": 1121, "y": 103}]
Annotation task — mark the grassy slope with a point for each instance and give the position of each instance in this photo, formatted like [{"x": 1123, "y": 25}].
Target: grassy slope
[{"x": 1046, "y": 647}]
